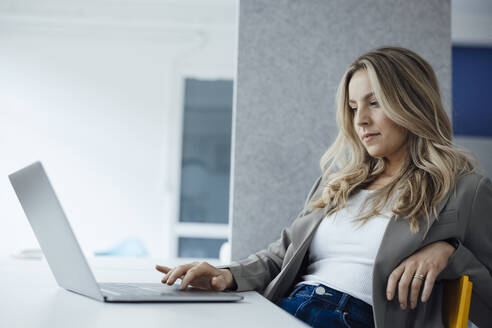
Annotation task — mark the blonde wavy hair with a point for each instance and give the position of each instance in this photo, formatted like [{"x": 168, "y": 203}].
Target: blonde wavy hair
[{"x": 407, "y": 90}]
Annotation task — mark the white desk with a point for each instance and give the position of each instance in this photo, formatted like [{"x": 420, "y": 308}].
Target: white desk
[{"x": 30, "y": 297}]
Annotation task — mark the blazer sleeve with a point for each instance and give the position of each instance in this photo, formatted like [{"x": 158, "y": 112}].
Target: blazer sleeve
[
  {"x": 259, "y": 269},
  {"x": 473, "y": 257}
]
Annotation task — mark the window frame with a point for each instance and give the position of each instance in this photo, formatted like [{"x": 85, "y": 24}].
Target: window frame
[{"x": 176, "y": 229}]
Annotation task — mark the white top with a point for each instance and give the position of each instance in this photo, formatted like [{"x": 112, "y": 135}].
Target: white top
[{"x": 341, "y": 256}]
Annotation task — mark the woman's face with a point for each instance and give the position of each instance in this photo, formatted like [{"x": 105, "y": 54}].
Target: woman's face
[{"x": 388, "y": 139}]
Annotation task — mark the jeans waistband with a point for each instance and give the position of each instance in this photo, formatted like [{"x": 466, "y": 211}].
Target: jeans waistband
[{"x": 342, "y": 301}]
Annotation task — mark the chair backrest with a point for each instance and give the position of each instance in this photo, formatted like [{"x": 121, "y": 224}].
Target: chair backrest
[{"x": 456, "y": 302}]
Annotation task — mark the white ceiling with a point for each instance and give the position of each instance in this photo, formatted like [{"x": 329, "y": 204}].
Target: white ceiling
[{"x": 471, "y": 20}]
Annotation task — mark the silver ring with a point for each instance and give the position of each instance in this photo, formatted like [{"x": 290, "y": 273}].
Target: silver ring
[{"x": 419, "y": 276}]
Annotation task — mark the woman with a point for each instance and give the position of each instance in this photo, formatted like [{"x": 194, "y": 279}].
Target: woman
[{"x": 398, "y": 209}]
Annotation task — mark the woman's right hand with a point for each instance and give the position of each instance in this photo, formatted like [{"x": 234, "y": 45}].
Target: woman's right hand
[{"x": 200, "y": 275}]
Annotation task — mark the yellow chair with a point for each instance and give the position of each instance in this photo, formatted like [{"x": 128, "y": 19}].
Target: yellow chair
[{"x": 456, "y": 302}]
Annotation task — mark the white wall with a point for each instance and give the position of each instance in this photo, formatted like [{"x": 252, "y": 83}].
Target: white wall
[{"x": 95, "y": 95}]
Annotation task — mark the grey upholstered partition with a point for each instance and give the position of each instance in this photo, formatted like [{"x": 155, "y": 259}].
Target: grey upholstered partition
[{"x": 291, "y": 56}]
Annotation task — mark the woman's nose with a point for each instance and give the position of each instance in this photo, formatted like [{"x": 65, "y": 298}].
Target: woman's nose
[{"x": 362, "y": 117}]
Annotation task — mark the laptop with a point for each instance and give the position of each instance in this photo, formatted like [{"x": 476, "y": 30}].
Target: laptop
[{"x": 65, "y": 257}]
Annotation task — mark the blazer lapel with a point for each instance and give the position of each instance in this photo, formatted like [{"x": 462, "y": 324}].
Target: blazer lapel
[
  {"x": 306, "y": 227},
  {"x": 397, "y": 244},
  {"x": 302, "y": 234}
]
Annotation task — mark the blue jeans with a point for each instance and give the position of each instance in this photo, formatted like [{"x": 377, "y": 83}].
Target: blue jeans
[{"x": 321, "y": 306}]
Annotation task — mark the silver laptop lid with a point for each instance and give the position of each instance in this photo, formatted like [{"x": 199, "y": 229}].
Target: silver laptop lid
[{"x": 54, "y": 234}]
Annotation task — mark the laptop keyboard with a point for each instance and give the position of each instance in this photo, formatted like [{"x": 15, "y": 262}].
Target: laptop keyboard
[{"x": 137, "y": 290}]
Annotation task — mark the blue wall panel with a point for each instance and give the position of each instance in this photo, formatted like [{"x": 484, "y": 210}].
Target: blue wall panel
[{"x": 472, "y": 89}]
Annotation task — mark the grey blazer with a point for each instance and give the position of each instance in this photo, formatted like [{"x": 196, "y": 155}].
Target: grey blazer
[{"x": 465, "y": 214}]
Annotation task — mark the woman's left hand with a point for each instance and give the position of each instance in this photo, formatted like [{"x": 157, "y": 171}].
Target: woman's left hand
[{"x": 429, "y": 261}]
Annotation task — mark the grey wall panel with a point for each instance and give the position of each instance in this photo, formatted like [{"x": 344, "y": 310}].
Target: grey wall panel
[
  {"x": 291, "y": 56},
  {"x": 482, "y": 148}
]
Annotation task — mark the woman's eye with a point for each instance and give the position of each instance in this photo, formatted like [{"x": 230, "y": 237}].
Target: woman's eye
[{"x": 353, "y": 110}]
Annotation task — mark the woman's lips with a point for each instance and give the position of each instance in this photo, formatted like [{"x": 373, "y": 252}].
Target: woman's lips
[{"x": 370, "y": 137}]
